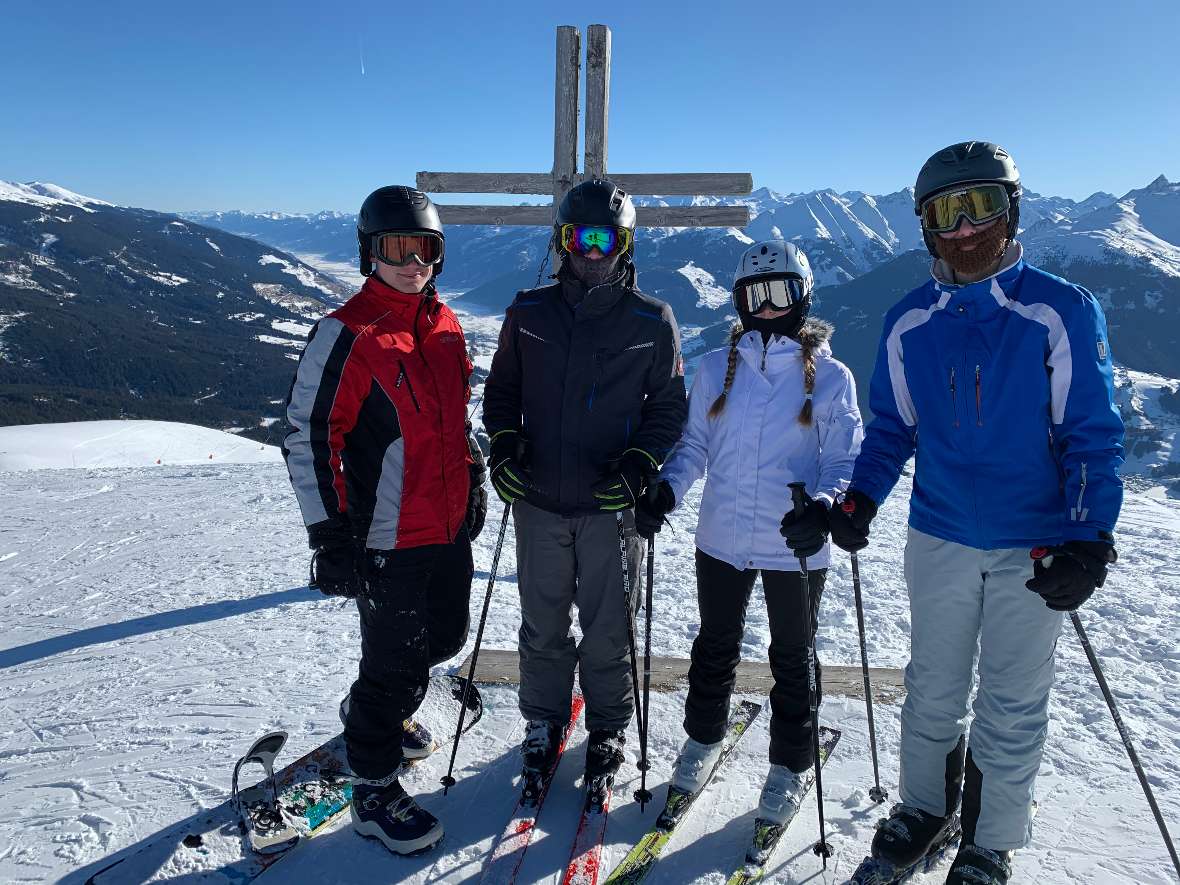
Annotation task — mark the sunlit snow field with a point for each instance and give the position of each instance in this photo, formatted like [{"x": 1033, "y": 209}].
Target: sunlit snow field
[{"x": 155, "y": 619}]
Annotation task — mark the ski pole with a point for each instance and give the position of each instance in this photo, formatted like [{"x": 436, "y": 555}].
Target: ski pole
[
  {"x": 448, "y": 781},
  {"x": 643, "y": 794},
  {"x": 640, "y": 720},
  {"x": 1126, "y": 737},
  {"x": 822, "y": 848},
  {"x": 877, "y": 794}
]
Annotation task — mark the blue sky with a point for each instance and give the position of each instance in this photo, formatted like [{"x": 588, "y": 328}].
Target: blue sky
[{"x": 263, "y": 105}]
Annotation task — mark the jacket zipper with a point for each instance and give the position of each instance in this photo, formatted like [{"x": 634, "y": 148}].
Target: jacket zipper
[
  {"x": 597, "y": 375},
  {"x": 954, "y": 399},
  {"x": 405, "y": 376},
  {"x": 1080, "y": 513},
  {"x": 978, "y": 399}
]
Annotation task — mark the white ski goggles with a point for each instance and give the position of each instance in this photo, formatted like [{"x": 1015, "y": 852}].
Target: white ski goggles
[{"x": 780, "y": 293}]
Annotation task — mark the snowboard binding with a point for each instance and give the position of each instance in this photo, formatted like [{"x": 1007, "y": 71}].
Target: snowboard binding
[{"x": 267, "y": 831}]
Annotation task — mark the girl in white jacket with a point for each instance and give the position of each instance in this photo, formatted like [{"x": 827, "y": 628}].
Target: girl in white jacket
[{"x": 773, "y": 408}]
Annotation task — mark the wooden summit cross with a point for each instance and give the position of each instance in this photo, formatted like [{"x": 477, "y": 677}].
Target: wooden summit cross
[{"x": 565, "y": 159}]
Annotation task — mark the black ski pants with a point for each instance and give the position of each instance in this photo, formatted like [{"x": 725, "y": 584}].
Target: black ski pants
[
  {"x": 723, "y": 594},
  {"x": 414, "y": 614}
]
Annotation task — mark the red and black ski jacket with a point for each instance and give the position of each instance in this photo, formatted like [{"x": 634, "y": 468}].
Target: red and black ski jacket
[{"x": 379, "y": 441}]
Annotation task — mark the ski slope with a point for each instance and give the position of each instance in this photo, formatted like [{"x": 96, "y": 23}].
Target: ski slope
[
  {"x": 124, "y": 444},
  {"x": 155, "y": 619}
]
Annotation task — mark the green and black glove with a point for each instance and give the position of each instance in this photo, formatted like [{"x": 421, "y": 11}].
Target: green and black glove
[
  {"x": 511, "y": 480},
  {"x": 621, "y": 489}
]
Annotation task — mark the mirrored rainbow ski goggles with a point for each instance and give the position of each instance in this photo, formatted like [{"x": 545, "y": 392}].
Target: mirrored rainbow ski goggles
[
  {"x": 978, "y": 203},
  {"x": 582, "y": 239}
]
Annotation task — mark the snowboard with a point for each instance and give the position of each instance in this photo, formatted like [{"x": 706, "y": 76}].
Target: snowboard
[{"x": 313, "y": 792}]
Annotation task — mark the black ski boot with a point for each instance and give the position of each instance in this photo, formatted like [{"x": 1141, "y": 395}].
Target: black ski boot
[
  {"x": 909, "y": 834},
  {"x": 384, "y": 810},
  {"x": 604, "y": 753},
  {"x": 980, "y": 866},
  {"x": 538, "y": 753},
  {"x": 604, "y": 756}
]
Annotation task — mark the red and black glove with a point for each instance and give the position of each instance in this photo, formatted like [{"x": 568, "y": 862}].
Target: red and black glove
[
  {"x": 1067, "y": 575},
  {"x": 849, "y": 520}
]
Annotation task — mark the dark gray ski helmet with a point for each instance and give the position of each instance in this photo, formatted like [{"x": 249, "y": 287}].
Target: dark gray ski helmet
[
  {"x": 969, "y": 162},
  {"x": 598, "y": 202},
  {"x": 395, "y": 208}
]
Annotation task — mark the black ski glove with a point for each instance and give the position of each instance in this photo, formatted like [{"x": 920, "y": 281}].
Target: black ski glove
[
  {"x": 477, "y": 497},
  {"x": 651, "y": 509},
  {"x": 334, "y": 563},
  {"x": 1067, "y": 575},
  {"x": 621, "y": 489},
  {"x": 849, "y": 520},
  {"x": 510, "y": 479},
  {"x": 806, "y": 532}
]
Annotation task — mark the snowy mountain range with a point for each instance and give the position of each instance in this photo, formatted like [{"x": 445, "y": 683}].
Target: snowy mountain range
[
  {"x": 109, "y": 312},
  {"x": 196, "y": 320}
]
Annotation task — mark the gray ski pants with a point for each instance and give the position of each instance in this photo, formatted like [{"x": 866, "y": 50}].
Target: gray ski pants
[
  {"x": 562, "y": 561},
  {"x": 969, "y": 605}
]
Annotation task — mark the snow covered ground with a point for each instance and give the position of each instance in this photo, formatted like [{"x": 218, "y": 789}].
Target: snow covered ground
[
  {"x": 155, "y": 619},
  {"x": 124, "y": 444}
]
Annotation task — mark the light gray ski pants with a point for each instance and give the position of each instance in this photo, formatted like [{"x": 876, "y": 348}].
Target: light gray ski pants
[
  {"x": 968, "y": 605},
  {"x": 561, "y": 562}
]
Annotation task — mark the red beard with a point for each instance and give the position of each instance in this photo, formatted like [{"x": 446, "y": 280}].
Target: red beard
[{"x": 989, "y": 246}]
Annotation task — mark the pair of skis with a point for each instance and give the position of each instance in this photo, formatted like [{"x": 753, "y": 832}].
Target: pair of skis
[{"x": 585, "y": 860}]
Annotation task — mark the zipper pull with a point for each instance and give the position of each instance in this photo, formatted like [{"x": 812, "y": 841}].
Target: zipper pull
[{"x": 978, "y": 399}]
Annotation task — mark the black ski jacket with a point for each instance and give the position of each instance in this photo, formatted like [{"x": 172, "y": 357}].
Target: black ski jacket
[{"x": 586, "y": 375}]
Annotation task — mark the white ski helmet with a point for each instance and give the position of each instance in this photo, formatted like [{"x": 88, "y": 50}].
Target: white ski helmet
[{"x": 774, "y": 258}]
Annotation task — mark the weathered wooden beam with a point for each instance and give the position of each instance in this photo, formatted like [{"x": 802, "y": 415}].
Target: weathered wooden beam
[
  {"x": 683, "y": 184},
  {"x": 541, "y": 216},
  {"x": 501, "y": 667},
  {"x": 597, "y": 100},
  {"x": 485, "y": 182},
  {"x": 692, "y": 216},
  {"x": 565, "y": 111}
]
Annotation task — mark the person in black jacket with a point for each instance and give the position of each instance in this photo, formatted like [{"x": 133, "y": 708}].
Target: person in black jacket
[{"x": 584, "y": 400}]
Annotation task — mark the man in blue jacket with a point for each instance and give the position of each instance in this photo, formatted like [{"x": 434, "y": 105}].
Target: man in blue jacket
[{"x": 997, "y": 377}]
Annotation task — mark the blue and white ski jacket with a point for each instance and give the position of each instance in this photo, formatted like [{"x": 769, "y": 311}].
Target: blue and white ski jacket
[
  {"x": 756, "y": 446},
  {"x": 1004, "y": 390}
]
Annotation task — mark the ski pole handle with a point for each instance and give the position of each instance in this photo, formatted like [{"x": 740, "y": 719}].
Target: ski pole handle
[{"x": 798, "y": 496}]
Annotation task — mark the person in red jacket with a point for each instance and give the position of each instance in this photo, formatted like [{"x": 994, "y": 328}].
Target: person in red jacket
[{"x": 389, "y": 481}]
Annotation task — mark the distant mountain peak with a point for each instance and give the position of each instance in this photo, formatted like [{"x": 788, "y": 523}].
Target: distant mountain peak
[{"x": 43, "y": 193}]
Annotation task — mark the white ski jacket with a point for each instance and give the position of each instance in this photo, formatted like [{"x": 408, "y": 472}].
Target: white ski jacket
[{"x": 756, "y": 446}]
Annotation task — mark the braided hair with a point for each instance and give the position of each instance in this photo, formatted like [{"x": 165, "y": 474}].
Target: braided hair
[
  {"x": 809, "y": 338},
  {"x": 735, "y": 335}
]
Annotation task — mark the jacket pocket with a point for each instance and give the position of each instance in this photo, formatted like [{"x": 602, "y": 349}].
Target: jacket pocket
[
  {"x": 404, "y": 377},
  {"x": 954, "y": 400}
]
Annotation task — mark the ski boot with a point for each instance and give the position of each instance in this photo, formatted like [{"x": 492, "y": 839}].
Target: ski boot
[
  {"x": 781, "y": 797},
  {"x": 382, "y": 809},
  {"x": 980, "y": 866},
  {"x": 907, "y": 839},
  {"x": 604, "y": 756},
  {"x": 693, "y": 766},
  {"x": 538, "y": 752}
]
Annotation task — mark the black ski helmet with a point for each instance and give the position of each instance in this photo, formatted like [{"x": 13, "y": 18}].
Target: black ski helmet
[
  {"x": 395, "y": 208},
  {"x": 598, "y": 201},
  {"x": 969, "y": 162}
]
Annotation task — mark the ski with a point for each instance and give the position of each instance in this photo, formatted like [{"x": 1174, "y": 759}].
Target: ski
[
  {"x": 640, "y": 860},
  {"x": 502, "y": 864},
  {"x": 586, "y": 854},
  {"x": 312, "y": 793},
  {"x": 767, "y": 834}
]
